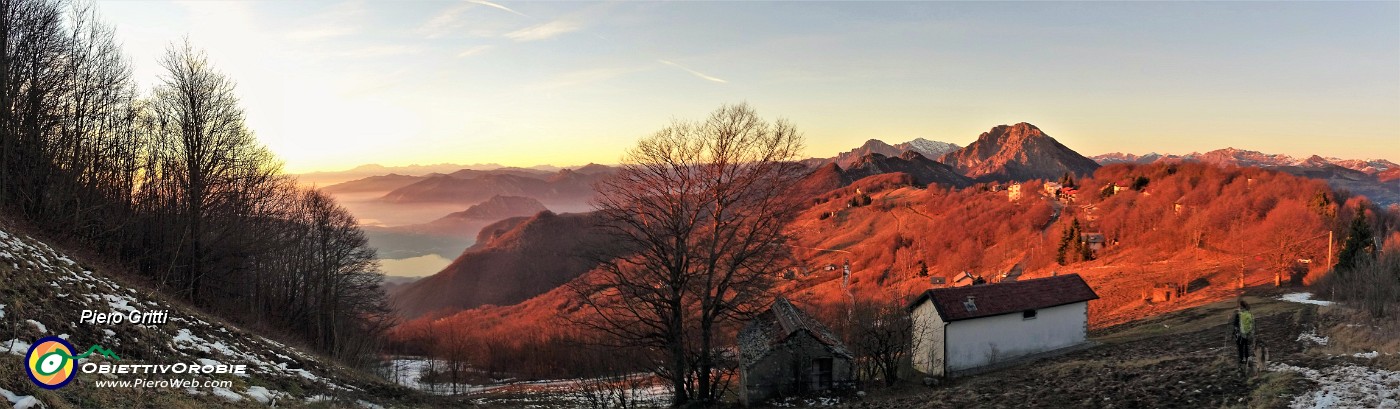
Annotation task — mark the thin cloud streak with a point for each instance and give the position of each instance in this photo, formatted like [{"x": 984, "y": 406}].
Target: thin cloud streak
[
  {"x": 698, "y": 74},
  {"x": 544, "y": 31},
  {"x": 452, "y": 19},
  {"x": 474, "y": 51},
  {"x": 497, "y": 6}
]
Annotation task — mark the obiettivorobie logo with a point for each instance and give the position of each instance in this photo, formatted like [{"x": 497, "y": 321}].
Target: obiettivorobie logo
[{"x": 50, "y": 362}]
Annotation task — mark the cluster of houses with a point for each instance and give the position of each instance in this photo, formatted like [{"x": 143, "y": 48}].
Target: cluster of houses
[{"x": 956, "y": 331}]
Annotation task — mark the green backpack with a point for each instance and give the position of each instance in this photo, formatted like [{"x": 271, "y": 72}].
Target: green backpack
[{"x": 1246, "y": 323}]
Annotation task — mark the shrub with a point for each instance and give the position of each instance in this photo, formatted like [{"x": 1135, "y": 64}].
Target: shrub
[{"x": 1373, "y": 285}]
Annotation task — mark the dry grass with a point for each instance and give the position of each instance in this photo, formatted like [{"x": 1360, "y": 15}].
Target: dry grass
[{"x": 1351, "y": 331}]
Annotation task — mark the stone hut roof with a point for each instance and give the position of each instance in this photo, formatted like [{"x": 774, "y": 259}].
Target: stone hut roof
[{"x": 778, "y": 324}]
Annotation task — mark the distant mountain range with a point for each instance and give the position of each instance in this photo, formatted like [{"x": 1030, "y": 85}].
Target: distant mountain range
[
  {"x": 470, "y": 186},
  {"x": 324, "y": 178},
  {"x": 1242, "y": 157},
  {"x": 925, "y": 147},
  {"x": 1377, "y": 179},
  {"x": 923, "y": 170},
  {"x": 466, "y": 223},
  {"x": 1004, "y": 153}
]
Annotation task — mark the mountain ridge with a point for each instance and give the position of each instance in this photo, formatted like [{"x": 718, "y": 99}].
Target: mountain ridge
[{"x": 1017, "y": 153}]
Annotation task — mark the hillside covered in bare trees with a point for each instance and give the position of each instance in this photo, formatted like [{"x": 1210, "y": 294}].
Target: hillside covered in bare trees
[{"x": 171, "y": 185}]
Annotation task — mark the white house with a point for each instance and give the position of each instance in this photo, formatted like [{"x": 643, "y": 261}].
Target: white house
[{"x": 963, "y": 328}]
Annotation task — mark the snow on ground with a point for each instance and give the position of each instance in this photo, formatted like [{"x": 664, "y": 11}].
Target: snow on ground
[
  {"x": 817, "y": 401},
  {"x": 409, "y": 371},
  {"x": 1347, "y": 386},
  {"x": 2, "y": 310},
  {"x": 16, "y": 346},
  {"x": 262, "y": 395},
  {"x": 1304, "y": 298},
  {"x": 229, "y": 395},
  {"x": 1367, "y": 355},
  {"x": 21, "y": 402},
  {"x": 1311, "y": 336},
  {"x": 191, "y": 338},
  {"x": 39, "y": 325}
]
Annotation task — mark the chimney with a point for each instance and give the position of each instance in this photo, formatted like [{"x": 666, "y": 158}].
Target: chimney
[{"x": 970, "y": 304}]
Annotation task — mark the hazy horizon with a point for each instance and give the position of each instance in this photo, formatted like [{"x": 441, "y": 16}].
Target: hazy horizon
[{"x": 333, "y": 85}]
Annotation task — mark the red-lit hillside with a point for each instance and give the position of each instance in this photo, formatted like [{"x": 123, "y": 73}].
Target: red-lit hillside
[
  {"x": 1188, "y": 224},
  {"x": 514, "y": 260}
]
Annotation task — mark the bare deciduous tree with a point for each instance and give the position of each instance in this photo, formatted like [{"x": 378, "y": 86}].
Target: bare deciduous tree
[
  {"x": 881, "y": 335},
  {"x": 205, "y": 149},
  {"x": 700, "y": 208}
]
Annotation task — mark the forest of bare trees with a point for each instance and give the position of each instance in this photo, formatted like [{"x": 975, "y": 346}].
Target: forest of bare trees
[{"x": 171, "y": 184}]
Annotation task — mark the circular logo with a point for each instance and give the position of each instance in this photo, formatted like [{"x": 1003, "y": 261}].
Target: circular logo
[{"x": 50, "y": 362}]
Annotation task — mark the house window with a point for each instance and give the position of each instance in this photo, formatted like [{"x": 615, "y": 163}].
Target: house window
[
  {"x": 825, "y": 374},
  {"x": 1028, "y": 314}
]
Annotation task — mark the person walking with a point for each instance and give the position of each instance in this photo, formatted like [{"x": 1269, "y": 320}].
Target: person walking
[{"x": 1243, "y": 324}]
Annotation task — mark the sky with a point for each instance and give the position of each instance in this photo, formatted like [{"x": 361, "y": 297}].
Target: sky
[{"x": 330, "y": 85}]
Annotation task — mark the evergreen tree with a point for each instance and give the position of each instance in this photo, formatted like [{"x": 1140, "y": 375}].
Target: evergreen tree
[
  {"x": 1070, "y": 244},
  {"x": 1068, "y": 180},
  {"x": 1360, "y": 243},
  {"x": 1140, "y": 183}
]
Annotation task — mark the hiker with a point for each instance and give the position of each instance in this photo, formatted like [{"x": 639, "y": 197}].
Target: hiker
[{"x": 1243, "y": 323}]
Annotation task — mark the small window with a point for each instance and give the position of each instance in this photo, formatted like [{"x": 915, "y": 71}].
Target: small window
[{"x": 1028, "y": 314}]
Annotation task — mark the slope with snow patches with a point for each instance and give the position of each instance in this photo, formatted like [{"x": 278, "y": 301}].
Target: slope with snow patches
[{"x": 43, "y": 293}]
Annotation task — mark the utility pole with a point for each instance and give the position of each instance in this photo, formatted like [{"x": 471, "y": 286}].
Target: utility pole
[{"x": 1329, "y": 249}]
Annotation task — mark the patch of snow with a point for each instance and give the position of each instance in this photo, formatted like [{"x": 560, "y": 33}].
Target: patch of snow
[
  {"x": 1346, "y": 386},
  {"x": 2, "y": 310},
  {"x": 21, "y": 402},
  {"x": 368, "y": 405},
  {"x": 187, "y": 340},
  {"x": 17, "y": 347},
  {"x": 120, "y": 302},
  {"x": 1312, "y": 337},
  {"x": 1304, "y": 298},
  {"x": 262, "y": 395},
  {"x": 1367, "y": 355},
  {"x": 39, "y": 325},
  {"x": 109, "y": 332},
  {"x": 229, "y": 395}
]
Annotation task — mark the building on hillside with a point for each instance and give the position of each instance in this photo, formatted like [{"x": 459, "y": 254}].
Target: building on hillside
[
  {"x": 1094, "y": 241},
  {"x": 960, "y": 330},
  {"x": 1013, "y": 192},
  {"x": 1052, "y": 189},
  {"x": 785, "y": 352},
  {"x": 1121, "y": 186}
]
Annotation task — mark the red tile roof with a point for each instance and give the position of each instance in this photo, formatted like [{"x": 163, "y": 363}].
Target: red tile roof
[{"x": 1006, "y": 298}]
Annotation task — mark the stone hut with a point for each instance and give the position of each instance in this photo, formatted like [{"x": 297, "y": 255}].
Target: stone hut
[{"x": 785, "y": 352}]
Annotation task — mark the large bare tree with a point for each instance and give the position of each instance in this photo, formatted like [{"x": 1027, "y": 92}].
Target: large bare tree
[
  {"x": 700, "y": 208},
  {"x": 206, "y": 150}
]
